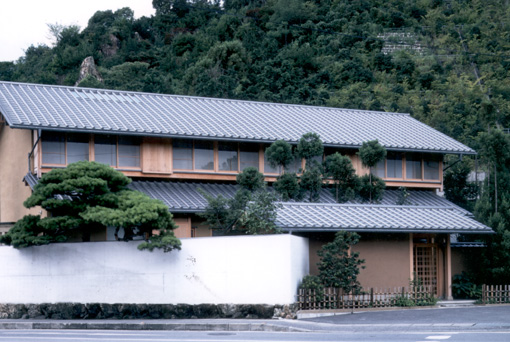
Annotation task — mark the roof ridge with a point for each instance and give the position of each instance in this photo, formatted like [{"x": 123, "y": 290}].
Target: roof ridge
[{"x": 131, "y": 92}]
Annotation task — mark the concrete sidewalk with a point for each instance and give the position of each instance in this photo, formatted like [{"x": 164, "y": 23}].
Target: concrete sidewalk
[{"x": 243, "y": 325}]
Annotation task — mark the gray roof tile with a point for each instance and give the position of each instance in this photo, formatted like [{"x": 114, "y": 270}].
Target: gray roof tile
[
  {"x": 184, "y": 196},
  {"x": 309, "y": 217},
  {"x": 111, "y": 111},
  {"x": 426, "y": 212}
]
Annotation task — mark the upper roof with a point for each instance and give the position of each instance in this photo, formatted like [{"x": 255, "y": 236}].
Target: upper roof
[{"x": 110, "y": 111}]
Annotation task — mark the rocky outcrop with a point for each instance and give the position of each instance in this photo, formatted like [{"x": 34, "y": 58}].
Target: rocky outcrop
[
  {"x": 112, "y": 47},
  {"x": 88, "y": 68},
  {"x": 144, "y": 311}
]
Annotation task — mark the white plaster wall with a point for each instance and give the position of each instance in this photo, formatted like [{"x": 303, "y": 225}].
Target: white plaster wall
[{"x": 238, "y": 269}]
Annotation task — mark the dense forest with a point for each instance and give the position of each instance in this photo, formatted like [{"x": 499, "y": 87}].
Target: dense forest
[{"x": 446, "y": 62}]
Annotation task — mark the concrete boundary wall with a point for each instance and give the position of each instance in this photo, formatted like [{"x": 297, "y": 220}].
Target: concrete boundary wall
[{"x": 262, "y": 269}]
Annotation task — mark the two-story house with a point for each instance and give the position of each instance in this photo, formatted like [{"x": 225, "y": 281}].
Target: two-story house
[{"x": 172, "y": 145}]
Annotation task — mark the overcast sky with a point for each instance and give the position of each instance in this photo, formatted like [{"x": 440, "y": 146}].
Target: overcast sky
[{"x": 23, "y": 22}]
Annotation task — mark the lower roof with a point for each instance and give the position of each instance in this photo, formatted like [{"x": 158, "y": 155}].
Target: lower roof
[
  {"x": 424, "y": 211},
  {"x": 311, "y": 217}
]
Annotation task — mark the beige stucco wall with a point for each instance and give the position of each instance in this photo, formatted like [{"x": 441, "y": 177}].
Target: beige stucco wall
[
  {"x": 387, "y": 259},
  {"x": 15, "y": 144}
]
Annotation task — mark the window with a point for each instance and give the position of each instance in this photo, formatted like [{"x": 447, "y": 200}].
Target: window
[
  {"x": 267, "y": 167},
  {"x": 183, "y": 154},
  {"x": 53, "y": 148},
  {"x": 105, "y": 149},
  {"x": 200, "y": 155},
  {"x": 431, "y": 170},
  {"x": 249, "y": 156},
  {"x": 117, "y": 151},
  {"x": 394, "y": 165},
  {"x": 317, "y": 160},
  {"x": 77, "y": 148},
  {"x": 380, "y": 169},
  {"x": 227, "y": 156},
  {"x": 413, "y": 166},
  {"x": 63, "y": 149},
  {"x": 129, "y": 152},
  {"x": 204, "y": 155},
  {"x": 296, "y": 164},
  {"x": 193, "y": 155}
]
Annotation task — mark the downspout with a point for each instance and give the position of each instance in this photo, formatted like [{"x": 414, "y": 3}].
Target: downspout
[
  {"x": 456, "y": 162},
  {"x": 39, "y": 132}
]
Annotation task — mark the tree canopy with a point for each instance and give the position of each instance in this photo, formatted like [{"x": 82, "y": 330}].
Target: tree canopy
[
  {"x": 339, "y": 266},
  {"x": 252, "y": 209},
  {"x": 87, "y": 197}
]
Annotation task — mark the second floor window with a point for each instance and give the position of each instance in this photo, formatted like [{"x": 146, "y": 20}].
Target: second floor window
[
  {"x": 391, "y": 167},
  {"x": 417, "y": 166},
  {"x": 413, "y": 166},
  {"x": 200, "y": 155},
  {"x": 117, "y": 151},
  {"x": 228, "y": 156},
  {"x": 204, "y": 155},
  {"x": 62, "y": 149},
  {"x": 193, "y": 155}
]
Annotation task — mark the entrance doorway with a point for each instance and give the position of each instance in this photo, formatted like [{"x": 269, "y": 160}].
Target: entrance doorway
[{"x": 425, "y": 265}]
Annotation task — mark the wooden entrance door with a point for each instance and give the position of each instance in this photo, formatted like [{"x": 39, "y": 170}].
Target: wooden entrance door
[{"x": 425, "y": 265}]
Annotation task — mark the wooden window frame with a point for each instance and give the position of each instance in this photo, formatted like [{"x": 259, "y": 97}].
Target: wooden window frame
[
  {"x": 404, "y": 170},
  {"x": 92, "y": 153},
  {"x": 216, "y": 159},
  {"x": 50, "y": 165}
]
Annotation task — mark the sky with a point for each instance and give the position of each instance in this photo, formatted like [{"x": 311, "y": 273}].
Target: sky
[{"x": 24, "y": 22}]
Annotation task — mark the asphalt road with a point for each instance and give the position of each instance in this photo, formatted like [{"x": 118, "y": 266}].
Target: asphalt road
[
  {"x": 187, "y": 336},
  {"x": 492, "y": 315}
]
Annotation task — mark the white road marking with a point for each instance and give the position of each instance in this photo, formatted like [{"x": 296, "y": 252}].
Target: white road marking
[{"x": 438, "y": 337}]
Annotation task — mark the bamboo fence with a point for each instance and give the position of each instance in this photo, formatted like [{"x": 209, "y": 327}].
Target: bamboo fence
[{"x": 335, "y": 298}]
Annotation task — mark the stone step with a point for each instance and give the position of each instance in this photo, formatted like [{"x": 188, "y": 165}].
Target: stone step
[{"x": 455, "y": 303}]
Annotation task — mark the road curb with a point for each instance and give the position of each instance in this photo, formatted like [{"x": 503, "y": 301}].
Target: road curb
[{"x": 150, "y": 326}]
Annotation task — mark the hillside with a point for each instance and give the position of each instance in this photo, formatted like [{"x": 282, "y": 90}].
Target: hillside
[{"x": 446, "y": 62}]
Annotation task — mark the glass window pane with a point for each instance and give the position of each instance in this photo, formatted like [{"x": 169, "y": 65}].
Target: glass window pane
[
  {"x": 379, "y": 169},
  {"x": 294, "y": 166},
  {"x": 53, "y": 148},
  {"x": 227, "y": 156},
  {"x": 317, "y": 160},
  {"x": 129, "y": 152},
  {"x": 431, "y": 170},
  {"x": 249, "y": 155},
  {"x": 268, "y": 168},
  {"x": 204, "y": 155},
  {"x": 77, "y": 148},
  {"x": 413, "y": 166},
  {"x": 394, "y": 165},
  {"x": 105, "y": 149},
  {"x": 183, "y": 154}
]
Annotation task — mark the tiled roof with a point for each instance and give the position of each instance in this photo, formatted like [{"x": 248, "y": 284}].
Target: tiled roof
[
  {"x": 185, "y": 197},
  {"x": 109, "y": 111},
  {"x": 31, "y": 180},
  {"x": 309, "y": 217},
  {"x": 425, "y": 212},
  {"x": 468, "y": 244}
]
